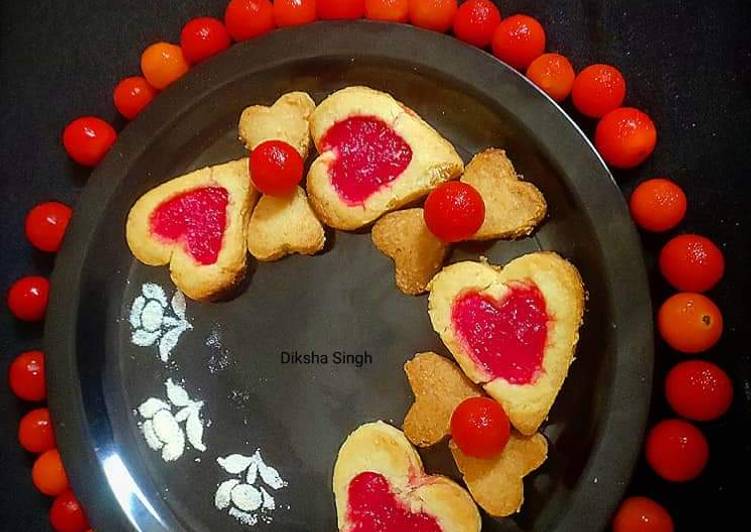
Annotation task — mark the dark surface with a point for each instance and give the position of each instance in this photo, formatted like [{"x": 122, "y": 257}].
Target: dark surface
[
  {"x": 342, "y": 299},
  {"x": 687, "y": 63}
]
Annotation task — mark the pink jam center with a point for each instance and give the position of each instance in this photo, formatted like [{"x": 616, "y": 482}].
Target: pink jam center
[
  {"x": 373, "y": 507},
  {"x": 369, "y": 156},
  {"x": 505, "y": 338},
  {"x": 197, "y": 219}
]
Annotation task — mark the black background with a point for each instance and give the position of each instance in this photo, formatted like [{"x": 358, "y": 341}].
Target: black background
[{"x": 688, "y": 63}]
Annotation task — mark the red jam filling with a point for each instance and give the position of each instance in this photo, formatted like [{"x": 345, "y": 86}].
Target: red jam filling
[
  {"x": 197, "y": 219},
  {"x": 505, "y": 337},
  {"x": 373, "y": 507},
  {"x": 369, "y": 156}
]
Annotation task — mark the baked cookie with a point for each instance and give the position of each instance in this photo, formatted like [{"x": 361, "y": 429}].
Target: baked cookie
[
  {"x": 286, "y": 120},
  {"x": 280, "y": 226},
  {"x": 196, "y": 223},
  {"x": 513, "y": 208},
  {"x": 376, "y": 155},
  {"x": 379, "y": 483},
  {"x": 439, "y": 386},
  {"x": 512, "y": 329},
  {"x": 416, "y": 252},
  {"x": 497, "y": 484}
]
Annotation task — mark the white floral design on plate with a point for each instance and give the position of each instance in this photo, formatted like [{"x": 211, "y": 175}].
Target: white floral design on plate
[
  {"x": 248, "y": 496},
  {"x": 155, "y": 320},
  {"x": 162, "y": 427}
]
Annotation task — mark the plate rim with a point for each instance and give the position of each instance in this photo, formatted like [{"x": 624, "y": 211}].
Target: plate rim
[{"x": 615, "y": 450}]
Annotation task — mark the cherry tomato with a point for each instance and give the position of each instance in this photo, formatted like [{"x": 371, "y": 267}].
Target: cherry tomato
[
  {"x": 597, "y": 90},
  {"x": 698, "y": 390},
  {"x": 454, "y": 211},
  {"x": 476, "y": 22},
  {"x": 46, "y": 224},
  {"x": 689, "y": 323},
  {"x": 88, "y": 139},
  {"x": 67, "y": 515},
  {"x": 276, "y": 168},
  {"x": 519, "y": 40},
  {"x": 163, "y": 63},
  {"x": 387, "y": 10},
  {"x": 677, "y": 450},
  {"x": 625, "y": 137},
  {"x": 640, "y": 514},
  {"x": 246, "y": 19},
  {"x": 554, "y": 74},
  {"x": 480, "y": 427},
  {"x": 26, "y": 376},
  {"x": 35, "y": 431},
  {"x": 658, "y": 205},
  {"x": 436, "y": 15},
  {"x": 48, "y": 473},
  {"x": 294, "y": 12},
  {"x": 202, "y": 38},
  {"x": 28, "y": 296},
  {"x": 340, "y": 9},
  {"x": 692, "y": 263},
  {"x": 132, "y": 95}
]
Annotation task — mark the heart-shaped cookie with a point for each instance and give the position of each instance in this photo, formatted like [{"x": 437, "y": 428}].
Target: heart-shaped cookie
[
  {"x": 286, "y": 120},
  {"x": 375, "y": 156},
  {"x": 512, "y": 329},
  {"x": 196, "y": 223},
  {"x": 416, "y": 252},
  {"x": 439, "y": 386},
  {"x": 497, "y": 484},
  {"x": 380, "y": 484},
  {"x": 513, "y": 208},
  {"x": 281, "y": 226}
]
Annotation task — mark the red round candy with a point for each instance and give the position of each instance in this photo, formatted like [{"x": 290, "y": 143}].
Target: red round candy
[
  {"x": 677, "y": 450},
  {"x": 276, "y": 168},
  {"x": 27, "y": 298},
  {"x": 519, "y": 40},
  {"x": 692, "y": 263},
  {"x": 132, "y": 95},
  {"x": 35, "y": 432},
  {"x": 246, "y": 19},
  {"x": 625, "y": 137},
  {"x": 454, "y": 211},
  {"x": 26, "y": 376},
  {"x": 640, "y": 514},
  {"x": 67, "y": 515},
  {"x": 597, "y": 90},
  {"x": 202, "y": 38},
  {"x": 476, "y": 21},
  {"x": 698, "y": 390},
  {"x": 480, "y": 427},
  {"x": 88, "y": 139},
  {"x": 340, "y": 9},
  {"x": 294, "y": 12},
  {"x": 46, "y": 224}
]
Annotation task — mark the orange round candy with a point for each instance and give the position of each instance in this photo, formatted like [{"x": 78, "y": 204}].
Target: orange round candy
[
  {"x": 436, "y": 15},
  {"x": 658, "y": 205},
  {"x": 689, "y": 322},
  {"x": 387, "y": 10},
  {"x": 554, "y": 74},
  {"x": 48, "y": 473},
  {"x": 163, "y": 63}
]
